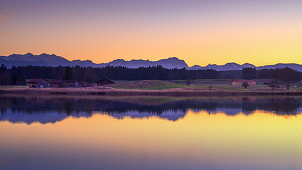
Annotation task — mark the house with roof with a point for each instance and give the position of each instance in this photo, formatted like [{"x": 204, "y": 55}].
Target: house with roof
[
  {"x": 37, "y": 83},
  {"x": 104, "y": 81}
]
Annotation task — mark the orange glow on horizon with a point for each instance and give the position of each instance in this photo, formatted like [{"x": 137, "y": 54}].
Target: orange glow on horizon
[{"x": 258, "y": 43}]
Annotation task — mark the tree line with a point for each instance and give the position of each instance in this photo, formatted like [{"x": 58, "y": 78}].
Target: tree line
[{"x": 18, "y": 75}]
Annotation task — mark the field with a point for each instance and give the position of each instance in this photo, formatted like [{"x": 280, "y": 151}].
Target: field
[
  {"x": 158, "y": 88},
  {"x": 147, "y": 85},
  {"x": 204, "y": 84}
]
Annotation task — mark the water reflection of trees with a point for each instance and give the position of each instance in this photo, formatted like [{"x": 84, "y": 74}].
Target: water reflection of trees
[{"x": 21, "y": 108}]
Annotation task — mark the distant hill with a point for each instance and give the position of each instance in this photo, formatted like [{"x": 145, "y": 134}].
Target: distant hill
[
  {"x": 170, "y": 63},
  {"x": 235, "y": 66},
  {"x": 226, "y": 67},
  {"x": 42, "y": 60},
  {"x": 53, "y": 60},
  {"x": 166, "y": 63}
]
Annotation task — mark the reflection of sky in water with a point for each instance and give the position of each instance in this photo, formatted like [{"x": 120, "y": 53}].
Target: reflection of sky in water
[
  {"x": 198, "y": 141},
  {"x": 177, "y": 135}
]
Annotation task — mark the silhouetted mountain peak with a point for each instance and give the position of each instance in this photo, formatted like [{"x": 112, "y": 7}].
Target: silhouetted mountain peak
[
  {"x": 166, "y": 63},
  {"x": 28, "y": 54},
  {"x": 231, "y": 64},
  {"x": 248, "y": 65}
]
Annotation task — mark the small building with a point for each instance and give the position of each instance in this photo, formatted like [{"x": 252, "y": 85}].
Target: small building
[
  {"x": 37, "y": 83},
  {"x": 104, "y": 81},
  {"x": 239, "y": 82}
]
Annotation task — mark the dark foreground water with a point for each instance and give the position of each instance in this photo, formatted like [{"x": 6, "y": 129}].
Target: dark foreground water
[{"x": 240, "y": 133}]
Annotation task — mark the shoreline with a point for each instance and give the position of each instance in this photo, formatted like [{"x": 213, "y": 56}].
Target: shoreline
[{"x": 128, "y": 92}]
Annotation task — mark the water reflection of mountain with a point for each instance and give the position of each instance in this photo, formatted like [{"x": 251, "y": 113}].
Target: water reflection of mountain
[{"x": 51, "y": 110}]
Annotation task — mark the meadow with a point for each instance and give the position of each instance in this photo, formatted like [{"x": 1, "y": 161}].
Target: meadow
[
  {"x": 160, "y": 88},
  {"x": 199, "y": 84}
]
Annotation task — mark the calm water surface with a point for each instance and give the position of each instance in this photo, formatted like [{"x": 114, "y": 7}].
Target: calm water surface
[{"x": 244, "y": 133}]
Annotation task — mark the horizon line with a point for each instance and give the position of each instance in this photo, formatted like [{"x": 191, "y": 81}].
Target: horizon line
[{"x": 179, "y": 58}]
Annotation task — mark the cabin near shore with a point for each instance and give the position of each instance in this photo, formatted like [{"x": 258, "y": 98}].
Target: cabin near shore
[
  {"x": 104, "y": 81},
  {"x": 37, "y": 83},
  {"x": 240, "y": 82},
  {"x": 41, "y": 83}
]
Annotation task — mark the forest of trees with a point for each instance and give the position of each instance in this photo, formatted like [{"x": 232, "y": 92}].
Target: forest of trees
[{"x": 18, "y": 75}]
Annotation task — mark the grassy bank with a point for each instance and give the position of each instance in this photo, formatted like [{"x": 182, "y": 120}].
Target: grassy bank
[
  {"x": 147, "y": 85},
  {"x": 130, "y": 92}
]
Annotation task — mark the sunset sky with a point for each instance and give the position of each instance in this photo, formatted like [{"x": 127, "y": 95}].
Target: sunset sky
[{"x": 198, "y": 31}]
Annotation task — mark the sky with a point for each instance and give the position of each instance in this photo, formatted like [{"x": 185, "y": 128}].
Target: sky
[{"x": 259, "y": 32}]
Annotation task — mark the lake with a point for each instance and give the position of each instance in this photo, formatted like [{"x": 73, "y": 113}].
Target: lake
[{"x": 89, "y": 132}]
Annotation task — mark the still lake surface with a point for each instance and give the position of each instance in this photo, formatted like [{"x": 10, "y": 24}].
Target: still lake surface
[{"x": 226, "y": 133}]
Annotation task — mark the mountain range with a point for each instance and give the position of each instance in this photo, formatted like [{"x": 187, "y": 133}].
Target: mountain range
[{"x": 169, "y": 63}]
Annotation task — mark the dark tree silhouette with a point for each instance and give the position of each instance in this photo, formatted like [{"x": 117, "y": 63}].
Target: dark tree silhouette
[
  {"x": 288, "y": 76},
  {"x": 18, "y": 75},
  {"x": 249, "y": 73},
  {"x": 90, "y": 75},
  {"x": 68, "y": 73},
  {"x": 5, "y": 78}
]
